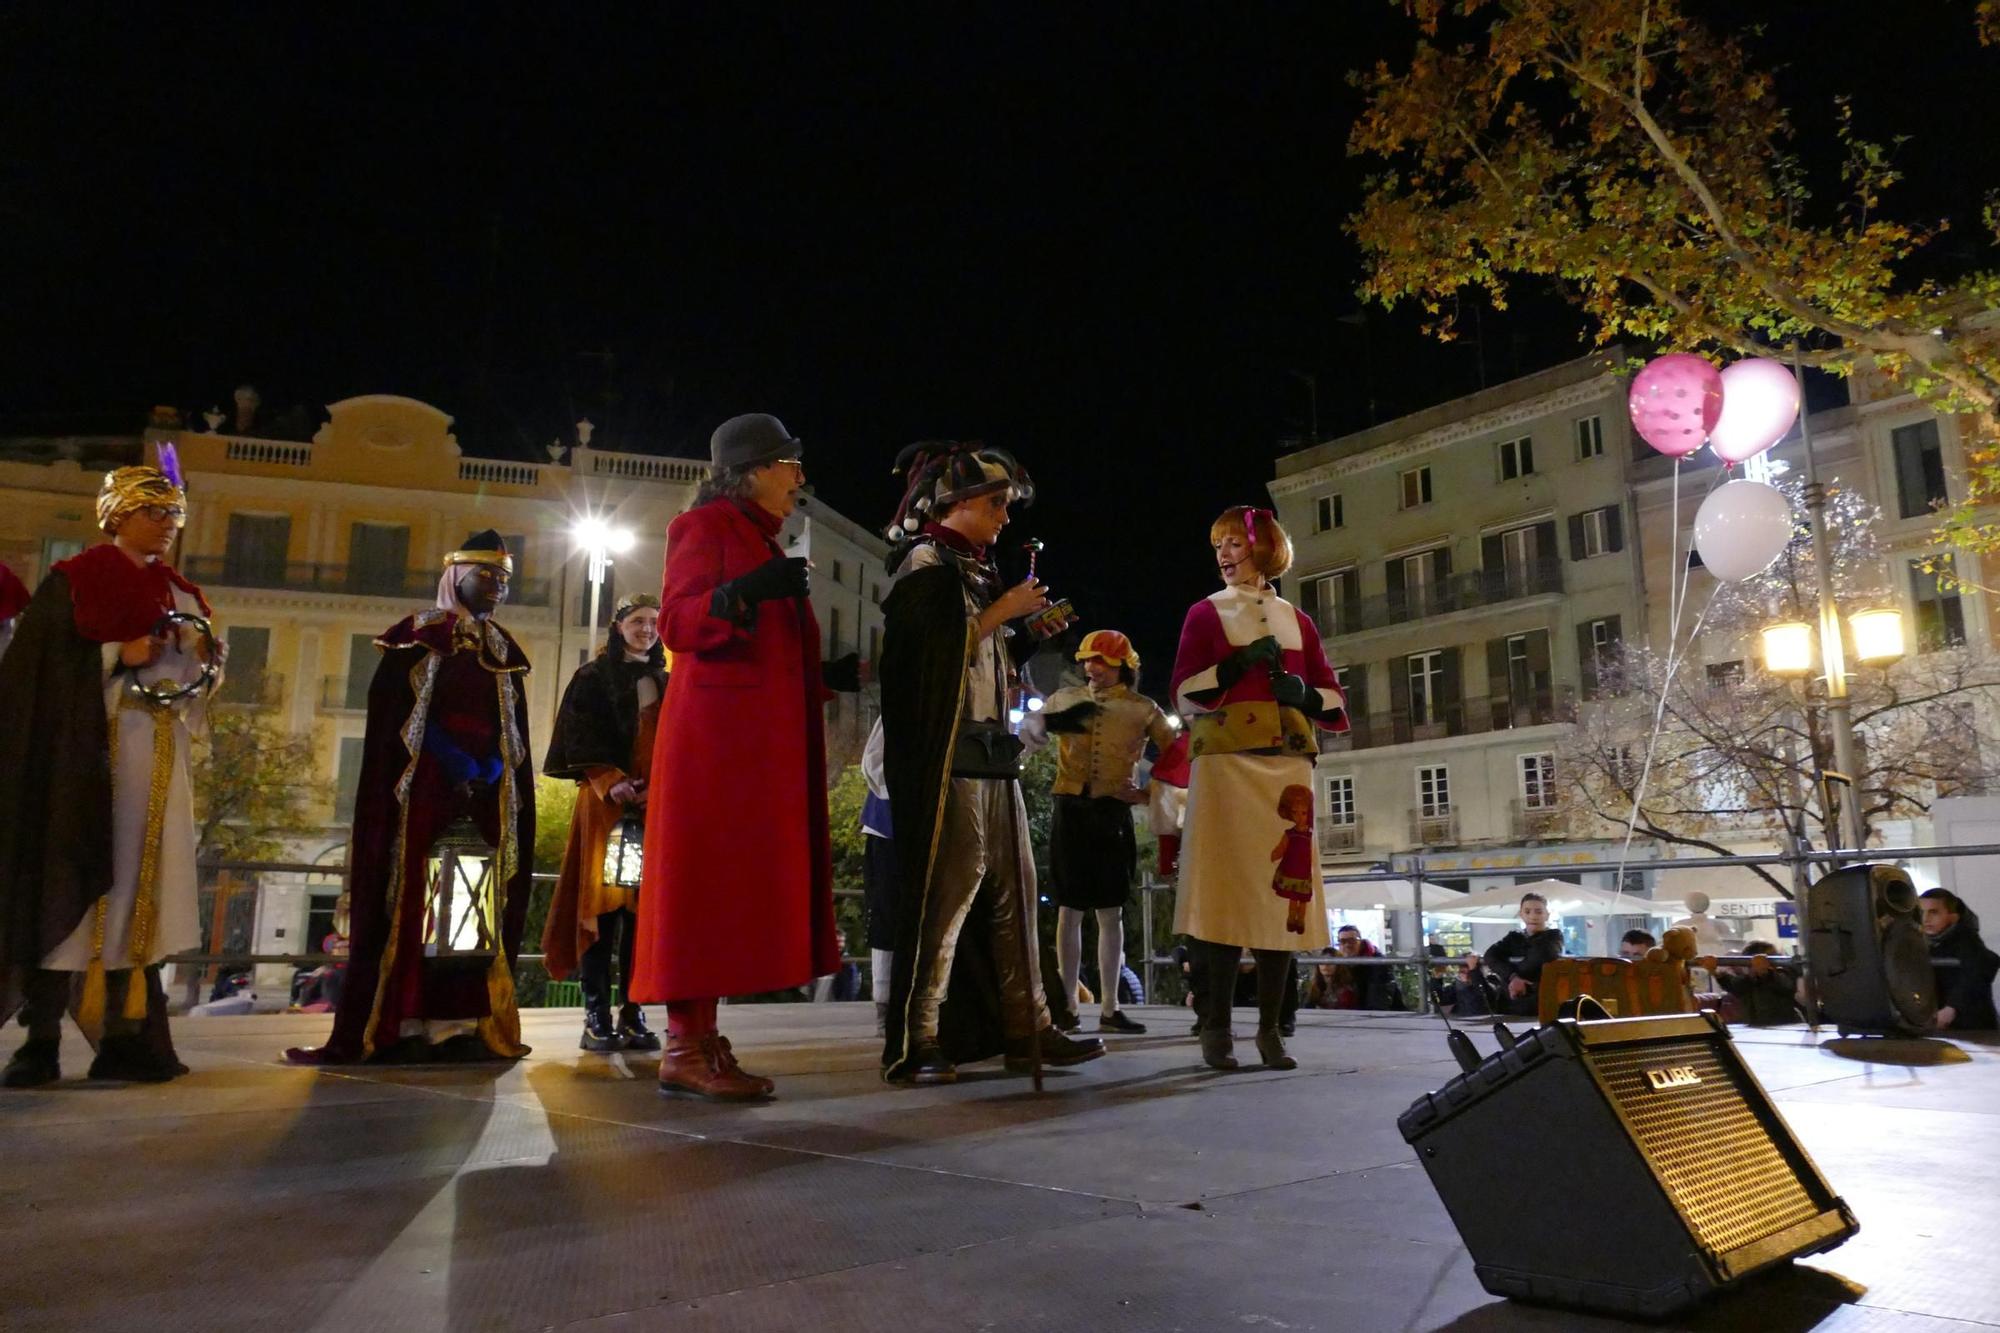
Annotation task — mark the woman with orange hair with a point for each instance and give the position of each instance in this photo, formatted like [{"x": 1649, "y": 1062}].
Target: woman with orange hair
[{"x": 1252, "y": 679}]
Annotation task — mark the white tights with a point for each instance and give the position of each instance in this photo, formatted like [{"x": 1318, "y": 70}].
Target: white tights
[
  {"x": 879, "y": 963},
  {"x": 1110, "y": 952}
]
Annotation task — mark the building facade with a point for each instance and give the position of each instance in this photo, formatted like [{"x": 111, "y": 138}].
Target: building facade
[
  {"x": 1466, "y": 565},
  {"x": 308, "y": 549}
]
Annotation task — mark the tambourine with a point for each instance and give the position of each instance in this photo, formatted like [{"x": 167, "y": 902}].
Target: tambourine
[{"x": 167, "y": 692}]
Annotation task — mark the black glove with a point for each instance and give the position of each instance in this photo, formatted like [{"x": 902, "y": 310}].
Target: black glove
[
  {"x": 1072, "y": 720},
  {"x": 1293, "y": 692},
  {"x": 843, "y": 673},
  {"x": 1259, "y": 652},
  {"x": 780, "y": 576}
]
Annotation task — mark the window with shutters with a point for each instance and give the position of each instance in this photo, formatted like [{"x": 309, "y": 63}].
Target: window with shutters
[
  {"x": 1415, "y": 581},
  {"x": 1433, "y": 790},
  {"x": 1920, "y": 485},
  {"x": 1427, "y": 695},
  {"x": 377, "y": 556},
  {"x": 1589, "y": 438},
  {"x": 362, "y": 658},
  {"x": 1596, "y": 532},
  {"x": 1353, "y": 682},
  {"x": 256, "y": 550},
  {"x": 1596, "y": 644},
  {"x": 347, "y": 778},
  {"x": 1520, "y": 684},
  {"x": 1333, "y": 600},
  {"x": 1340, "y": 801},
  {"x": 874, "y": 643},
  {"x": 834, "y": 645},
  {"x": 837, "y": 571},
  {"x": 1940, "y": 619},
  {"x": 1416, "y": 487},
  {"x": 1517, "y": 458},
  {"x": 1327, "y": 514},
  {"x": 1538, "y": 781},
  {"x": 249, "y": 658}
]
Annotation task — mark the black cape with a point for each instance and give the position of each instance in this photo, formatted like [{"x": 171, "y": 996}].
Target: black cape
[
  {"x": 55, "y": 795},
  {"x": 926, "y": 641},
  {"x": 599, "y": 717}
]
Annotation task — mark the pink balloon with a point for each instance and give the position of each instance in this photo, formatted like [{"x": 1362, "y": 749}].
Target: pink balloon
[
  {"x": 1760, "y": 401},
  {"x": 1674, "y": 402}
]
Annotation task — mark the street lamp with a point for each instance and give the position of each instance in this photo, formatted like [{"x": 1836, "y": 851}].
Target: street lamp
[
  {"x": 599, "y": 541},
  {"x": 1878, "y": 633}
]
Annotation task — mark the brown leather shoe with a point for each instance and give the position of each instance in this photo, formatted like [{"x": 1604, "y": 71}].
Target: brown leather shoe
[
  {"x": 729, "y": 1059},
  {"x": 704, "y": 1068}
]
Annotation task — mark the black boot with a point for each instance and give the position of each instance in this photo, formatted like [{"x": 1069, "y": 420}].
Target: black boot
[
  {"x": 632, "y": 1029},
  {"x": 125, "y": 1058},
  {"x": 34, "y": 1064},
  {"x": 926, "y": 1067},
  {"x": 598, "y": 1032},
  {"x": 1218, "y": 1042},
  {"x": 1274, "y": 979}
]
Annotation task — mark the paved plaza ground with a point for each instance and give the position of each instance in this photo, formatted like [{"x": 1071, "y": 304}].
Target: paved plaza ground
[{"x": 1140, "y": 1192}]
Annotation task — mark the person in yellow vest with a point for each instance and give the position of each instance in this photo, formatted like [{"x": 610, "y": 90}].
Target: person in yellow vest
[{"x": 1101, "y": 727}]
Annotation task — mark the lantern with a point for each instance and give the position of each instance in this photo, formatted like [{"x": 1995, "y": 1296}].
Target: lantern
[
  {"x": 462, "y": 910},
  {"x": 622, "y": 855}
]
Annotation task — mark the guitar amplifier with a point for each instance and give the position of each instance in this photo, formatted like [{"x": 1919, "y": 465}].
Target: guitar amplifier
[{"x": 1633, "y": 1166}]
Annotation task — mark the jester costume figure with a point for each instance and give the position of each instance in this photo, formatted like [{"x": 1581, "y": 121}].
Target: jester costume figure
[
  {"x": 1102, "y": 728},
  {"x": 967, "y": 982},
  {"x": 446, "y": 756},
  {"x": 85, "y": 729}
]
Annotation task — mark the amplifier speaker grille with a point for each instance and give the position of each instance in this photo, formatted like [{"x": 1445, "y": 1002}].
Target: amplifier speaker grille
[{"x": 1716, "y": 1156}]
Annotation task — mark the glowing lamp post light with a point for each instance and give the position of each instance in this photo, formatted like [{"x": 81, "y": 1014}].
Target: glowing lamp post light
[
  {"x": 1788, "y": 649},
  {"x": 599, "y": 541},
  {"x": 1878, "y": 635}
]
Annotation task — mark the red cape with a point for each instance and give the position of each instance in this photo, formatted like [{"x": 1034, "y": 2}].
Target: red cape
[{"x": 118, "y": 601}]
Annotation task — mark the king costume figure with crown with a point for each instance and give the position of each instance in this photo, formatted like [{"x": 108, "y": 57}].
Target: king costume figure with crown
[{"x": 435, "y": 932}]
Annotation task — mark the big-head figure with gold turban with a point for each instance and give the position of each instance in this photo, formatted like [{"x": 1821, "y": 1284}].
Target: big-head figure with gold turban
[
  {"x": 446, "y": 757},
  {"x": 97, "y": 840}
]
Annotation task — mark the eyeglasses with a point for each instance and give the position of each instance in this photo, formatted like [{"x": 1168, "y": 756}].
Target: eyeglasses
[
  {"x": 798, "y": 463},
  {"x": 165, "y": 513}
]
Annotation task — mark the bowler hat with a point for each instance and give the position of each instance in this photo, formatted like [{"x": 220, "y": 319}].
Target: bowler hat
[{"x": 751, "y": 439}]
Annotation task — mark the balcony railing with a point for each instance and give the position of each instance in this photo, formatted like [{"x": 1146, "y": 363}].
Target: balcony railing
[
  {"x": 1459, "y": 592},
  {"x": 1462, "y": 717},
  {"x": 251, "y": 688},
  {"x": 347, "y": 580},
  {"x": 1434, "y": 830},
  {"x": 343, "y": 694},
  {"x": 1539, "y": 823},
  {"x": 1340, "y": 837}
]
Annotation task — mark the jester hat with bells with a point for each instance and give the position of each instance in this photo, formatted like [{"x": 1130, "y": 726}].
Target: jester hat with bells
[
  {"x": 942, "y": 473},
  {"x": 128, "y": 489}
]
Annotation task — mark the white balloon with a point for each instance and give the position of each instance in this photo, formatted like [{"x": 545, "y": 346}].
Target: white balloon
[{"x": 1741, "y": 528}]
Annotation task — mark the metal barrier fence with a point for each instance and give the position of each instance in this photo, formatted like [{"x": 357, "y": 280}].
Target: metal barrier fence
[
  {"x": 205, "y": 964},
  {"x": 1410, "y": 868}
]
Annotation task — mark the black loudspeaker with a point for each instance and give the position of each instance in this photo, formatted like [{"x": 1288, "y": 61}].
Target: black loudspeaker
[
  {"x": 1867, "y": 953},
  {"x": 1632, "y": 1166}
]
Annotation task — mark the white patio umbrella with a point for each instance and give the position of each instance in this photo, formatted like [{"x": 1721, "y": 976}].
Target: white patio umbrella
[
  {"x": 1565, "y": 900},
  {"x": 1393, "y": 895}
]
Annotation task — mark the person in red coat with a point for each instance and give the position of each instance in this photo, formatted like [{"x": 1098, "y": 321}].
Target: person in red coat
[{"x": 737, "y": 889}]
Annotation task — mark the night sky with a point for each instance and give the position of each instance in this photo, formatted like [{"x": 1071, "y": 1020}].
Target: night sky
[{"x": 1104, "y": 237}]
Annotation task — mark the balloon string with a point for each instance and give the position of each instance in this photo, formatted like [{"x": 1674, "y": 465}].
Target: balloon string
[{"x": 1678, "y": 575}]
